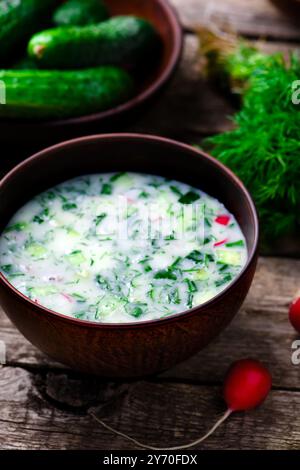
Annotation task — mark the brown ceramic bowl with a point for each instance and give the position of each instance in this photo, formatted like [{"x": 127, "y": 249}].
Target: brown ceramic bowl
[
  {"x": 140, "y": 348},
  {"x": 36, "y": 134}
]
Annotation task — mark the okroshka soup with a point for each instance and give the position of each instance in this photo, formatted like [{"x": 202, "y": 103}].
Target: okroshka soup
[{"x": 122, "y": 247}]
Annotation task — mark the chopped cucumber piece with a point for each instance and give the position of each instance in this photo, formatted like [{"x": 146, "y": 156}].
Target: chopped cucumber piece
[
  {"x": 72, "y": 232},
  {"x": 200, "y": 275},
  {"x": 201, "y": 297},
  {"x": 234, "y": 258},
  {"x": 36, "y": 250},
  {"x": 76, "y": 258},
  {"x": 107, "y": 305},
  {"x": 42, "y": 291}
]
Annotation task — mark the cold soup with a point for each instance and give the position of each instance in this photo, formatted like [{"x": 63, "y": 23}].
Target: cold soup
[{"x": 122, "y": 247}]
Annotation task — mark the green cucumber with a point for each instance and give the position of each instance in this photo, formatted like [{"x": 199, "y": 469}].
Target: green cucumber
[
  {"x": 38, "y": 94},
  {"x": 122, "y": 40},
  {"x": 80, "y": 13},
  {"x": 19, "y": 19}
]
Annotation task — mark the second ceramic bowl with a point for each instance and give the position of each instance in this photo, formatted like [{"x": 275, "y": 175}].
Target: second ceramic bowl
[
  {"x": 140, "y": 348},
  {"x": 164, "y": 19}
]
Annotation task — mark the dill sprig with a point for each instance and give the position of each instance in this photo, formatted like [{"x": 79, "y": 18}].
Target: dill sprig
[{"x": 264, "y": 147}]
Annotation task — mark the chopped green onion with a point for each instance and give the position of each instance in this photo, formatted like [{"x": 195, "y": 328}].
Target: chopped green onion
[
  {"x": 99, "y": 218},
  {"x": 103, "y": 282},
  {"x": 191, "y": 285},
  {"x": 224, "y": 280},
  {"x": 232, "y": 244},
  {"x": 79, "y": 298},
  {"x": 176, "y": 190},
  {"x": 117, "y": 176},
  {"x": 190, "y": 300},
  {"x": 165, "y": 274},
  {"x": 174, "y": 297},
  {"x": 135, "y": 310},
  {"x": 189, "y": 198},
  {"x": 7, "y": 268},
  {"x": 40, "y": 218},
  {"x": 143, "y": 195}
]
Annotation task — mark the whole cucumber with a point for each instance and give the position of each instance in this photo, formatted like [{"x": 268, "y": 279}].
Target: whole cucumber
[
  {"x": 80, "y": 13},
  {"x": 19, "y": 19},
  {"x": 25, "y": 63},
  {"x": 43, "y": 94},
  {"x": 122, "y": 40}
]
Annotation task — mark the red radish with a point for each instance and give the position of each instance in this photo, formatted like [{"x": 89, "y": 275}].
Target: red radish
[
  {"x": 222, "y": 219},
  {"x": 246, "y": 386},
  {"x": 294, "y": 314},
  {"x": 221, "y": 242}
]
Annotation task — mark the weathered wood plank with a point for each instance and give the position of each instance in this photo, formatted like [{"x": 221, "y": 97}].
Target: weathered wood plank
[
  {"x": 51, "y": 412},
  {"x": 257, "y": 18},
  {"x": 261, "y": 329}
]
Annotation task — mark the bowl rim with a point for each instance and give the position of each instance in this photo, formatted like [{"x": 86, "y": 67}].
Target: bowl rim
[
  {"x": 143, "y": 138},
  {"x": 143, "y": 96}
]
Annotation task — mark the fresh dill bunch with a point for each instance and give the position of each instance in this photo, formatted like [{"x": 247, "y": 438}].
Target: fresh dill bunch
[
  {"x": 263, "y": 149},
  {"x": 231, "y": 61}
]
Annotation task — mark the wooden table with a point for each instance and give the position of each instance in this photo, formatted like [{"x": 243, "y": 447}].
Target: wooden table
[{"x": 45, "y": 406}]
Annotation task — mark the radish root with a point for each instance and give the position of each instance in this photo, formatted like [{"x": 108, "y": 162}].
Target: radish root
[{"x": 145, "y": 446}]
